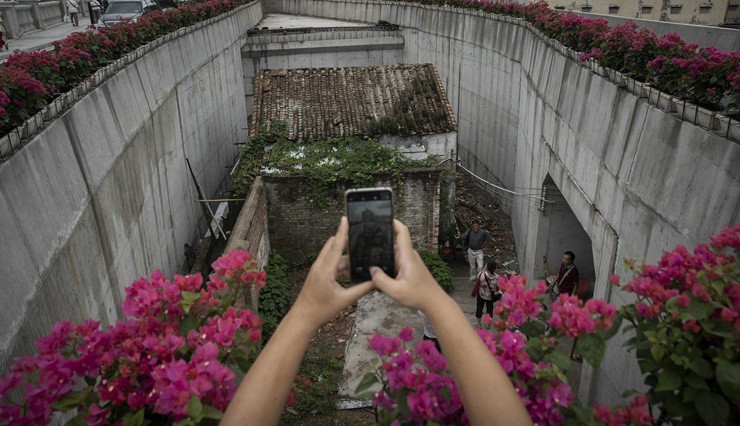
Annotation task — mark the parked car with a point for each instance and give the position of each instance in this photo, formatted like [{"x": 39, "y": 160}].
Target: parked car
[{"x": 121, "y": 10}]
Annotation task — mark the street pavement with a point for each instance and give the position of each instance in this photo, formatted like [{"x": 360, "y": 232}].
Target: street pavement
[{"x": 42, "y": 39}]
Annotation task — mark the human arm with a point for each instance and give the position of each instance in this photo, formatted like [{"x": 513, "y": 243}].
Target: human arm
[
  {"x": 261, "y": 396},
  {"x": 475, "y": 369}
]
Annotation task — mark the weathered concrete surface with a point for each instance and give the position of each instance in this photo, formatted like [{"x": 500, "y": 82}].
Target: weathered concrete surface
[
  {"x": 376, "y": 313},
  {"x": 280, "y": 20},
  {"x": 103, "y": 195},
  {"x": 639, "y": 180}
]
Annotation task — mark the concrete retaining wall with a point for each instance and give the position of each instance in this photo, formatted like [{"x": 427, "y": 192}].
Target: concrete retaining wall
[
  {"x": 639, "y": 180},
  {"x": 103, "y": 196}
]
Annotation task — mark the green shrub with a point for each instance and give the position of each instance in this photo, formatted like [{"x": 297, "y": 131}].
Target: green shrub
[
  {"x": 274, "y": 299},
  {"x": 441, "y": 271},
  {"x": 316, "y": 391}
]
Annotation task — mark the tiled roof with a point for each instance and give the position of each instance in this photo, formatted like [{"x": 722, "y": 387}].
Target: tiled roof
[{"x": 322, "y": 103}]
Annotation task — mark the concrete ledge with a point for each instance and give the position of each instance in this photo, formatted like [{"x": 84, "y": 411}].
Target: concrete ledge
[{"x": 321, "y": 46}]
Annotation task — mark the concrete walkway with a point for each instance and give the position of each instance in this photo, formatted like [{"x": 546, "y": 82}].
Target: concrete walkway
[{"x": 42, "y": 39}]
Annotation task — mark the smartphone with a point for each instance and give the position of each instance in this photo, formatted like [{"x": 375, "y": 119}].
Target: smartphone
[{"x": 370, "y": 215}]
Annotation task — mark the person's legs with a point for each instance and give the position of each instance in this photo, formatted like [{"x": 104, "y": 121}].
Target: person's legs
[
  {"x": 73, "y": 18},
  {"x": 472, "y": 262},
  {"x": 478, "y": 310},
  {"x": 479, "y": 261},
  {"x": 489, "y": 309}
]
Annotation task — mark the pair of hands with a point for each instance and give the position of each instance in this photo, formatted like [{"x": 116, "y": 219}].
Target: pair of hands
[{"x": 322, "y": 297}]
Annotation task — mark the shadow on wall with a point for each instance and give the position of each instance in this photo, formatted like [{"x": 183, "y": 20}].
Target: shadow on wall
[{"x": 560, "y": 231}]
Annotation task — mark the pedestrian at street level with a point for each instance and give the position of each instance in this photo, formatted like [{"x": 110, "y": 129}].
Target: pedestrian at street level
[
  {"x": 475, "y": 240},
  {"x": 3, "y": 31},
  {"x": 429, "y": 333},
  {"x": 97, "y": 10},
  {"x": 486, "y": 291},
  {"x": 567, "y": 279},
  {"x": 73, "y": 8}
]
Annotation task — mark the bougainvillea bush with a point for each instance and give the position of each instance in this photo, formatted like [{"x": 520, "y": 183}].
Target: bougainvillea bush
[
  {"x": 177, "y": 358},
  {"x": 685, "y": 324},
  {"x": 30, "y": 80},
  {"x": 706, "y": 76}
]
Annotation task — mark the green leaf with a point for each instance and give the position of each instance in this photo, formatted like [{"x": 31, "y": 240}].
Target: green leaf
[
  {"x": 71, "y": 400},
  {"x": 560, "y": 359},
  {"x": 628, "y": 393},
  {"x": 699, "y": 310},
  {"x": 592, "y": 347},
  {"x": 187, "y": 324},
  {"x": 195, "y": 408},
  {"x": 78, "y": 420},
  {"x": 728, "y": 377},
  {"x": 134, "y": 419},
  {"x": 712, "y": 408},
  {"x": 668, "y": 380},
  {"x": 242, "y": 361},
  {"x": 657, "y": 352},
  {"x": 533, "y": 328},
  {"x": 701, "y": 367},
  {"x": 608, "y": 334},
  {"x": 211, "y": 413},
  {"x": 366, "y": 383},
  {"x": 695, "y": 381}
]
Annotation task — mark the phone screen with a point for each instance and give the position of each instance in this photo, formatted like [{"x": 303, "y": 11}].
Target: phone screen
[{"x": 370, "y": 215}]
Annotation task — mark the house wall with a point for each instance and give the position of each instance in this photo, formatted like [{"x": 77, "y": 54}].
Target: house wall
[{"x": 298, "y": 226}]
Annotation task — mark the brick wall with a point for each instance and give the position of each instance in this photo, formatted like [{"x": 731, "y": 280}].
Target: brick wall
[{"x": 298, "y": 227}]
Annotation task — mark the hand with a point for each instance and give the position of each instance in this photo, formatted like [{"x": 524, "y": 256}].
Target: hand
[
  {"x": 414, "y": 286},
  {"x": 322, "y": 297}
]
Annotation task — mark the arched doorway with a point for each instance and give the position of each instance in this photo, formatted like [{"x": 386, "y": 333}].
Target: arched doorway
[{"x": 560, "y": 231}]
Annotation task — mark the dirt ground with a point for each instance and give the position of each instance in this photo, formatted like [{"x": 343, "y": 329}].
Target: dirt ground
[
  {"x": 324, "y": 362},
  {"x": 472, "y": 201}
]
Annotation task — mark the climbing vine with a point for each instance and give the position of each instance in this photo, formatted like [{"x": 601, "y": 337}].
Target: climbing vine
[{"x": 328, "y": 165}]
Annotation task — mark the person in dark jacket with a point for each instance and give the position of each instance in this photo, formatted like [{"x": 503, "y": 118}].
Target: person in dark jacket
[{"x": 475, "y": 240}]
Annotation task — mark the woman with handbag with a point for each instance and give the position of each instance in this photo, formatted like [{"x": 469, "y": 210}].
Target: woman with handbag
[{"x": 486, "y": 291}]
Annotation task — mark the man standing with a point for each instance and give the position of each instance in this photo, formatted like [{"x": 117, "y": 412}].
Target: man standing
[
  {"x": 474, "y": 240},
  {"x": 567, "y": 279}
]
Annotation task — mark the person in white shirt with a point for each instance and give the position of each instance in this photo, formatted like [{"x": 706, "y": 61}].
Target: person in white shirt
[{"x": 73, "y": 8}]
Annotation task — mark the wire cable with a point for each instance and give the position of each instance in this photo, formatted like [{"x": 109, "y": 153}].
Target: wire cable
[{"x": 507, "y": 191}]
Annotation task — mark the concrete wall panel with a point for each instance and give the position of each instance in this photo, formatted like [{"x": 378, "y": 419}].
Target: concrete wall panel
[{"x": 103, "y": 196}]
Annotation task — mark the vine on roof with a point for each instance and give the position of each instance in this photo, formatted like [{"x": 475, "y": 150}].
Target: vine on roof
[{"x": 329, "y": 165}]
